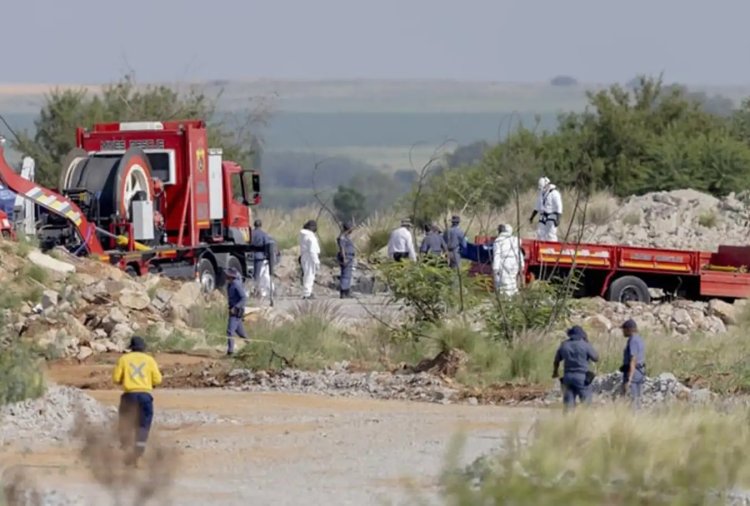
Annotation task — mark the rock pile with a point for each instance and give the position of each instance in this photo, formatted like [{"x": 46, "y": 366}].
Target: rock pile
[
  {"x": 682, "y": 219},
  {"x": 679, "y": 317},
  {"x": 54, "y": 416},
  {"x": 656, "y": 390},
  {"x": 339, "y": 382}
]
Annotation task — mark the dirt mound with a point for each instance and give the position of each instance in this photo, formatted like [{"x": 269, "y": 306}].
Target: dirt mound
[{"x": 680, "y": 219}]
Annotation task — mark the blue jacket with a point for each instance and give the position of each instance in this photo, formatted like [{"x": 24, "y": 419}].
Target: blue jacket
[
  {"x": 236, "y": 296},
  {"x": 347, "y": 249},
  {"x": 433, "y": 243},
  {"x": 575, "y": 353},
  {"x": 260, "y": 240},
  {"x": 455, "y": 238}
]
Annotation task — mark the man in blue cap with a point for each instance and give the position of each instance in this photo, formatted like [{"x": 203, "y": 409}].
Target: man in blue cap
[
  {"x": 576, "y": 352},
  {"x": 633, "y": 363},
  {"x": 237, "y": 300}
]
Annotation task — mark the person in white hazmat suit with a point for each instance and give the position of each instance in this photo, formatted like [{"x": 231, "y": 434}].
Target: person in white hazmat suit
[
  {"x": 309, "y": 257},
  {"x": 549, "y": 207},
  {"x": 507, "y": 260}
]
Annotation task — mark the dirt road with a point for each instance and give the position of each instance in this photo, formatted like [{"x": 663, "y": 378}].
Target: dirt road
[{"x": 286, "y": 449}]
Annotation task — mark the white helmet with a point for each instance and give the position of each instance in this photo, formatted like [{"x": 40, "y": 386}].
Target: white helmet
[{"x": 543, "y": 181}]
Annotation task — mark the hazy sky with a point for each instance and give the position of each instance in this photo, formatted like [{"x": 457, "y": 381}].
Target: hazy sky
[{"x": 63, "y": 41}]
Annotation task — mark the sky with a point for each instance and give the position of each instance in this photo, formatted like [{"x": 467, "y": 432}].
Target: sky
[{"x": 96, "y": 41}]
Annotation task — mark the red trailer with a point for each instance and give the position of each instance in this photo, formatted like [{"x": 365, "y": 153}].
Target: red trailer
[{"x": 626, "y": 273}]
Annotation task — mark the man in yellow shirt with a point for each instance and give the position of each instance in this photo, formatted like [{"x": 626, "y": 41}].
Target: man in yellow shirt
[{"x": 138, "y": 374}]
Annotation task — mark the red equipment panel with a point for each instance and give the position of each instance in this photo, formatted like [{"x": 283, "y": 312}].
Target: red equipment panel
[
  {"x": 583, "y": 255},
  {"x": 650, "y": 259}
]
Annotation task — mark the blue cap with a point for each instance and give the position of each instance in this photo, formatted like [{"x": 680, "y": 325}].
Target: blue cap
[
  {"x": 232, "y": 272},
  {"x": 630, "y": 324},
  {"x": 577, "y": 331}
]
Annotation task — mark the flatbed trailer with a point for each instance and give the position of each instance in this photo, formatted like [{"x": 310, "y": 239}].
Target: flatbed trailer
[{"x": 626, "y": 273}]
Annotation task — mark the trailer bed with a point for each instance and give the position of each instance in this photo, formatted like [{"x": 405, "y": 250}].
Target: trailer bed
[{"x": 694, "y": 274}]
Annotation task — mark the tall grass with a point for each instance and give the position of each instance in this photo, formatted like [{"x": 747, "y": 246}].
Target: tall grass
[
  {"x": 614, "y": 457},
  {"x": 20, "y": 375}
]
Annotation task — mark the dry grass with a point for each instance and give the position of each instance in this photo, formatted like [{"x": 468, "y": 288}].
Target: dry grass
[{"x": 678, "y": 457}]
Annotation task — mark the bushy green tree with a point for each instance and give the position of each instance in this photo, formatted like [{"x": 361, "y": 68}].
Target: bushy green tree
[{"x": 349, "y": 204}]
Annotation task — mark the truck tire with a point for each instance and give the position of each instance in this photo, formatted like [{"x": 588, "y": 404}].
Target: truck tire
[
  {"x": 131, "y": 271},
  {"x": 206, "y": 275},
  {"x": 629, "y": 288}
]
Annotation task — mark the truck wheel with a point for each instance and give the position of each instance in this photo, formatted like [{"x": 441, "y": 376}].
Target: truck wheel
[
  {"x": 206, "y": 275},
  {"x": 629, "y": 288},
  {"x": 131, "y": 271}
]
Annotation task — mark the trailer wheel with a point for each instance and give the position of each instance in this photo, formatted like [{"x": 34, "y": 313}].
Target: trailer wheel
[
  {"x": 206, "y": 275},
  {"x": 629, "y": 289},
  {"x": 131, "y": 271}
]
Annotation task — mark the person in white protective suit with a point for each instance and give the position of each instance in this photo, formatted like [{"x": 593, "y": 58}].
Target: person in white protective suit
[
  {"x": 309, "y": 257},
  {"x": 549, "y": 207},
  {"x": 507, "y": 260}
]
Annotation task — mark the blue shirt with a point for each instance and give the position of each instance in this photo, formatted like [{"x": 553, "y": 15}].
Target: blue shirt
[
  {"x": 455, "y": 238},
  {"x": 575, "y": 353},
  {"x": 346, "y": 248},
  {"x": 635, "y": 347},
  {"x": 259, "y": 240},
  {"x": 236, "y": 296},
  {"x": 433, "y": 243}
]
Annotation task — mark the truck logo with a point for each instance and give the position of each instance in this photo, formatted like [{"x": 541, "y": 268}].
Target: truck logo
[{"x": 200, "y": 154}]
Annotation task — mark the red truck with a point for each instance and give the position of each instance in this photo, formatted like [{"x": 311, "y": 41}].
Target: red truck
[
  {"x": 149, "y": 197},
  {"x": 626, "y": 273}
]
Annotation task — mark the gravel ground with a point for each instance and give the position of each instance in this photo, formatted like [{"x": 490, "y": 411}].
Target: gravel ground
[{"x": 286, "y": 449}]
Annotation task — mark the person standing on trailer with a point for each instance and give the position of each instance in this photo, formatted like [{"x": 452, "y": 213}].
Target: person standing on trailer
[
  {"x": 346, "y": 257},
  {"x": 261, "y": 273},
  {"x": 237, "y": 300},
  {"x": 456, "y": 241},
  {"x": 549, "y": 207},
  {"x": 309, "y": 257},
  {"x": 401, "y": 243},
  {"x": 138, "y": 374}
]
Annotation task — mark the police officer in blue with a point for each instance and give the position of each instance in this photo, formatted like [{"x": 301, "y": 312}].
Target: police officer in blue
[
  {"x": 633, "y": 363},
  {"x": 237, "y": 300},
  {"x": 576, "y": 352},
  {"x": 455, "y": 239},
  {"x": 433, "y": 242},
  {"x": 260, "y": 242},
  {"x": 346, "y": 257}
]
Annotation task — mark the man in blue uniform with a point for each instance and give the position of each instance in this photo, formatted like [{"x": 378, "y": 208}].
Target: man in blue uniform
[
  {"x": 346, "y": 257},
  {"x": 237, "y": 300},
  {"x": 633, "y": 363},
  {"x": 261, "y": 274},
  {"x": 576, "y": 353},
  {"x": 433, "y": 242},
  {"x": 455, "y": 239}
]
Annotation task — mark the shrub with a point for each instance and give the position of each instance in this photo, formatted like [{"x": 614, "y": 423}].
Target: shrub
[
  {"x": 611, "y": 456},
  {"x": 632, "y": 219},
  {"x": 20, "y": 375},
  {"x": 36, "y": 273},
  {"x": 536, "y": 306},
  {"x": 425, "y": 287},
  {"x": 309, "y": 342},
  {"x": 377, "y": 240},
  {"x": 708, "y": 219}
]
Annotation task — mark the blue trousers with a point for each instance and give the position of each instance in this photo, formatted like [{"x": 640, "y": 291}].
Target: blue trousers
[
  {"x": 257, "y": 266},
  {"x": 234, "y": 327},
  {"x": 347, "y": 271},
  {"x": 636, "y": 389},
  {"x": 454, "y": 259},
  {"x": 136, "y": 413},
  {"x": 574, "y": 388}
]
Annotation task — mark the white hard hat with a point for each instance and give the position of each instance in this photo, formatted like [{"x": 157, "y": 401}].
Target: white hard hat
[{"x": 543, "y": 181}]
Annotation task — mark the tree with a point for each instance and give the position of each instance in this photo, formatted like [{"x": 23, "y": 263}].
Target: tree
[
  {"x": 563, "y": 81},
  {"x": 65, "y": 110},
  {"x": 349, "y": 204}
]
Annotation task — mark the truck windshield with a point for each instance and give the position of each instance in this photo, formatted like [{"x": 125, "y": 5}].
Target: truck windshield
[{"x": 246, "y": 187}]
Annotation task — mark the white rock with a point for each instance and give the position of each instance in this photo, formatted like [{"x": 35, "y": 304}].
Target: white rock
[
  {"x": 52, "y": 264},
  {"x": 84, "y": 352},
  {"x": 49, "y": 298},
  {"x": 134, "y": 300},
  {"x": 727, "y": 312}
]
